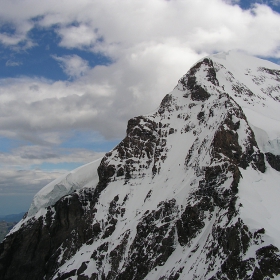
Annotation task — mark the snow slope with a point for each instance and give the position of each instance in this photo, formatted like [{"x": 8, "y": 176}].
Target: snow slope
[{"x": 261, "y": 103}]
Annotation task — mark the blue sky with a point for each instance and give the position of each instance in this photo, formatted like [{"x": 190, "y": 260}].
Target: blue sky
[{"x": 72, "y": 73}]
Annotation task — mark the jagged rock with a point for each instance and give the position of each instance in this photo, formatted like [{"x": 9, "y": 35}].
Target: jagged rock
[{"x": 273, "y": 160}]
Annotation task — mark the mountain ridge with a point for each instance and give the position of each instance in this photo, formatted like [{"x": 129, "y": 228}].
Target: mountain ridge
[{"x": 167, "y": 203}]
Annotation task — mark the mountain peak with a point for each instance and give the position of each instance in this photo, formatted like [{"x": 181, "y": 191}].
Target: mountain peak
[{"x": 191, "y": 191}]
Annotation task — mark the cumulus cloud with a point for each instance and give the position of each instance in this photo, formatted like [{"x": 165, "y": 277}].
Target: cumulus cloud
[
  {"x": 73, "y": 65},
  {"x": 17, "y": 32},
  {"x": 151, "y": 43},
  {"x": 10, "y": 40},
  {"x": 42, "y": 111},
  {"x": 125, "y": 24},
  {"x": 77, "y": 36}
]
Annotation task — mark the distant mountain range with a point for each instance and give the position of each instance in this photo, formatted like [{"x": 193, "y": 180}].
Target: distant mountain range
[
  {"x": 7, "y": 222},
  {"x": 191, "y": 192},
  {"x": 12, "y": 217}
]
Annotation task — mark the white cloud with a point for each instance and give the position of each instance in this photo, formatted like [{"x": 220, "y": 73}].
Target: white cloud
[
  {"x": 77, "y": 36},
  {"x": 152, "y": 43},
  {"x": 24, "y": 157},
  {"x": 102, "y": 100},
  {"x": 124, "y": 24},
  {"x": 73, "y": 65},
  {"x": 12, "y": 63},
  {"x": 7, "y": 39},
  {"x": 25, "y": 181},
  {"x": 19, "y": 34},
  {"x": 19, "y": 176}
]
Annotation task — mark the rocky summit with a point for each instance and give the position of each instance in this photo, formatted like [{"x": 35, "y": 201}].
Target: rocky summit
[{"x": 191, "y": 192}]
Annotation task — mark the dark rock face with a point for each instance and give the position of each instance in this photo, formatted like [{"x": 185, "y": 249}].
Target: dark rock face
[
  {"x": 159, "y": 241},
  {"x": 197, "y": 223},
  {"x": 39, "y": 244},
  {"x": 142, "y": 148},
  {"x": 198, "y": 93},
  {"x": 189, "y": 224},
  {"x": 226, "y": 141},
  {"x": 269, "y": 262},
  {"x": 165, "y": 103},
  {"x": 273, "y": 160}
]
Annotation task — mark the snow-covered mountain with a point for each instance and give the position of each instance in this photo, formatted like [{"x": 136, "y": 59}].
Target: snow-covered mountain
[{"x": 192, "y": 191}]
